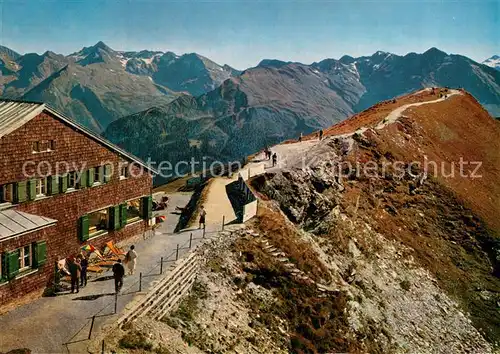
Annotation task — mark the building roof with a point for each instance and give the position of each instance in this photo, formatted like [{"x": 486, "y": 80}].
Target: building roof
[
  {"x": 16, "y": 223},
  {"x": 14, "y": 114}
]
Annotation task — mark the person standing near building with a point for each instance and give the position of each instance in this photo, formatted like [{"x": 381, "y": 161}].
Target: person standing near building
[
  {"x": 275, "y": 159},
  {"x": 118, "y": 273},
  {"x": 131, "y": 259},
  {"x": 74, "y": 270},
  {"x": 203, "y": 215},
  {"x": 83, "y": 276}
]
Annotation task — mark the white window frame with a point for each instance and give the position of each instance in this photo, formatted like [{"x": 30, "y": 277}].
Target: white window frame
[
  {"x": 124, "y": 168},
  {"x": 5, "y": 188},
  {"x": 74, "y": 175},
  {"x": 35, "y": 147},
  {"x": 97, "y": 175},
  {"x": 22, "y": 256},
  {"x": 41, "y": 187}
]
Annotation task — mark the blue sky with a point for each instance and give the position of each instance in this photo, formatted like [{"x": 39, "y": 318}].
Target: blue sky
[{"x": 241, "y": 33}]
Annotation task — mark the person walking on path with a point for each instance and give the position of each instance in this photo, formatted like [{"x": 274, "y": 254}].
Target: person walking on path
[
  {"x": 203, "y": 215},
  {"x": 321, "y": 134},
  {"x": 83, "y": 277},
  {"x": 131, "y": 259},
  {"x": 74, "y": 270},
  {"x": 300, "y": 138},
  {"x": 275, "y": 158},
  {"x": 118, "y": 274}
]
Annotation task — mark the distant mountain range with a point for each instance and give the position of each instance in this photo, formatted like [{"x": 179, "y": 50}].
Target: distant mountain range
[
  {"x": 493, "y": 62},
  {"x": 97, "y": 84},
  {"x": 167, "y": 106},
  {"x": 279, "y": 100}
]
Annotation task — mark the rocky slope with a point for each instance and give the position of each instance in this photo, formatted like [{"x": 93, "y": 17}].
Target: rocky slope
[
  {"x": 356, "y": 247},
  {"x": 97, "y": 84}
]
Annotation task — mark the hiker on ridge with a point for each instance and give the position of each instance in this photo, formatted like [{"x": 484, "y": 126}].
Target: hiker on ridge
[
  {"x": 275, "y": 158},
  {"x": 321, "y": 134}
]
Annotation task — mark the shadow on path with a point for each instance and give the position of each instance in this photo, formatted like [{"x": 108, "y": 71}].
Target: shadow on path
[
  {"x": 92, "y": 297},
  {"x": 103, "y": 278}
]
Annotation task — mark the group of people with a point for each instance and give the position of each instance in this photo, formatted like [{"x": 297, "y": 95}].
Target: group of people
[
  {"x": 320, "y": 136},
  {"x": 268, "y": 153},
  {"x": 119, "y": 270},
  {"x": 78, "y": 266},
  {"x": 78, "y": 271}
]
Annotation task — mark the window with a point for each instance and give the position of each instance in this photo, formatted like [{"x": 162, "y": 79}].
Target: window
[
  {"x": 43, "y": 145},
  {"x": 72, "y": 180},
  {"x": 41, "y": 187},
  {"x": 97, "y": 174},
  {"x": 25, "y": 255},
  {"x": 98, "y": 221},
  {"x": 36, "y": 146},
  {"x": 133, "y": 210},
  {"x": 124, "y": 171},
  {"x": 7, "y": 193}
]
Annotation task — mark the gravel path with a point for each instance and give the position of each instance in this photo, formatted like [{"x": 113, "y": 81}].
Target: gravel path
[{"x": 61, "y": 324}]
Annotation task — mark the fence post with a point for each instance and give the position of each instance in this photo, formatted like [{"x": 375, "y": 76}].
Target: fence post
[
  {"x": 102, "y": 350},
  {"x": 223, "y": 221},
  {"x": 177, "y": 252},
  {"x": 161, "y": 265},
  {"x": 116, "y": 301},
  {"x": 140, "y": 281},
  {"x": 91, "y": 326}
]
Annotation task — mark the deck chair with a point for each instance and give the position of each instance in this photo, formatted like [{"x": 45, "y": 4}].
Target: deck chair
[{"x": 115, "y": 250}]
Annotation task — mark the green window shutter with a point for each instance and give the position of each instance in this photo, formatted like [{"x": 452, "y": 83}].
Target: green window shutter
[
  {"x": 39, "y": 253},
  {"x": 114, "y": 217},
  {"x": 147, "y": 207},
  {"x": 31, "y": 189},
  {"x": 20, "y": 192},
  {"x": 107, "y": 173},
  {"x": 83, "y": 228},
  {"x": 101, "y": 174},
  {"x": 53, "y": 185},
  {"x": 3, "y": 274},
  {"x": 123, "y": 214},
  {"x": 12, "y": 261},
  {"x": 82, "y": 183},
  {"x": 91, "y": 174},
  {"x": 63, "y": 184}
]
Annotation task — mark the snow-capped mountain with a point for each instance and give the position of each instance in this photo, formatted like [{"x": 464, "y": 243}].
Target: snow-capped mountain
[
  {"x": 98, "y": 84},
  {"x": 493, "y": 62}
]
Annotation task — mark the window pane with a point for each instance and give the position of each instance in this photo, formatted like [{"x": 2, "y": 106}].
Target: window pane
[
  {"x": 27, "y": 256},
  {"x": 98, "y": 221},
  {"x": 134, "y": 209},
  {"x": 97, "y": 176},
  {"x": 72, "y": 180},
  {"x": 6, "y": 193}
]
